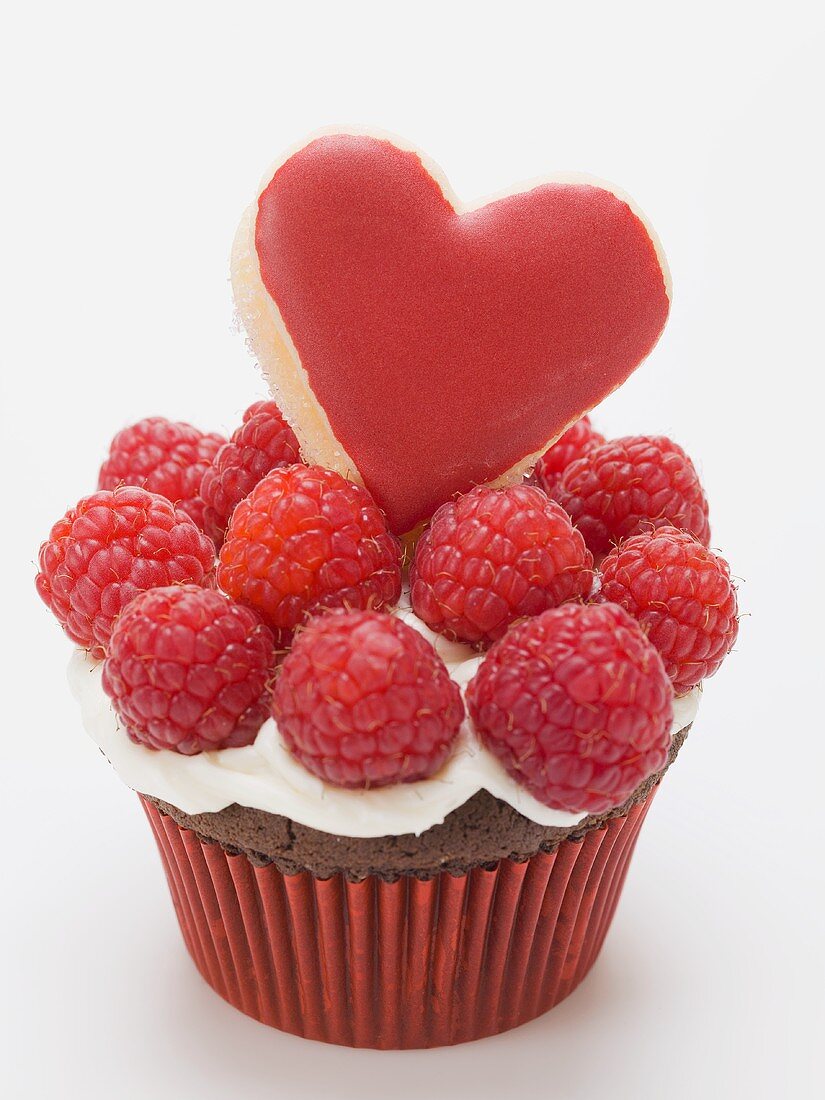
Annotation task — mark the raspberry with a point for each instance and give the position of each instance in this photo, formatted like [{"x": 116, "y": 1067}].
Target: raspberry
[
  {"x": 188, "y": 669},
  {"x": 306, "y": 539},
  {"x": 682, "y": 596},
  {"x": 363, "y": 700},
  {"x": 263, "y": 442},
  {"x": 108, "y": 548},
  {"x": 164, "y": 457},
  {"x": 494, "y": 556},
  {"x": 577, "y": 706},
  {"x": 630, "y": 485},
  {"x": 576, "y": 441}
]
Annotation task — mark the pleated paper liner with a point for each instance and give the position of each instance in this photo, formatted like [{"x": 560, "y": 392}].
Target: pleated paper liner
[{"x": 406, "y": 964}]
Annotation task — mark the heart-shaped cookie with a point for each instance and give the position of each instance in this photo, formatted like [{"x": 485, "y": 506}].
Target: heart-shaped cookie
[{"x": 423, "y": 347}]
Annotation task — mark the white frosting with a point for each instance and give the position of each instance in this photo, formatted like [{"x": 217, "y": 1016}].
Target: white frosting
[{"x": 265, "y": 776}]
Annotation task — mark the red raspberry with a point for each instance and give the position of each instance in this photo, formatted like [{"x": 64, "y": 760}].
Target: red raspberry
[
  {"x": 108, "y": 548},
  {"x": 305, "y": 539},
  {"x": 682, "y": 596},
  {"x": 363, "y": 700},
  {"x": 630, "y": 485},
  {"x": 577, "y": 706},
  {"x": 188, "y": 669},
  {"x": 262, "y": 443},
  {"x": 164, "y": 457},
  {"x": 576, "y": 441},
  {"x": 494, "y": 556}
]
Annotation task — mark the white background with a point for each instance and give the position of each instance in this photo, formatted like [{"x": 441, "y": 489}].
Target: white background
[{"x": 134, "y": 138}]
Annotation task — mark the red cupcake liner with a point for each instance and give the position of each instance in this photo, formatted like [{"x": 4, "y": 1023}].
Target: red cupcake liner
[{"x": 406, "y": 964}]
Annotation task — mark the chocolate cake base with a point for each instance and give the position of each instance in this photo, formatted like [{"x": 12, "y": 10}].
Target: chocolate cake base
[{"x": 477, "y": 834}]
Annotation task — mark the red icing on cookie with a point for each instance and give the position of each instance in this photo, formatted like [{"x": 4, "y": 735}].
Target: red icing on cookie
[{"x": 445, "y": 347}]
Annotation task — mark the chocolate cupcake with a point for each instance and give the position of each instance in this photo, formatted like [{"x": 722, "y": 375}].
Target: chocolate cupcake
[
  {"x": 397, "y": 743},
  {"x": 462, "y": 907}
]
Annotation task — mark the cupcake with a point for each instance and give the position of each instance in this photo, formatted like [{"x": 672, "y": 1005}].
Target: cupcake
[{"x": 394, "y": 714}]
